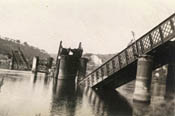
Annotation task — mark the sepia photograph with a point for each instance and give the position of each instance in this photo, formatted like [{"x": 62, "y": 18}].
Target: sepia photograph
[{"x": 87, "y": 57}]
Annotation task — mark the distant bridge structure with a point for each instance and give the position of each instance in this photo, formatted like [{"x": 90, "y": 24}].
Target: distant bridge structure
[
  {"x": 122, "y": 68},
  {"x": 19, "y": 61}
]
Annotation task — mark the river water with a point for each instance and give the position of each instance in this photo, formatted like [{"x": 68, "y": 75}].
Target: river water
[{"x": 22, "y": 94}]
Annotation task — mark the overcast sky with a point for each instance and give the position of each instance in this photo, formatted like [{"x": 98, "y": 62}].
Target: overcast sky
[{"x": 103, "y": 26}]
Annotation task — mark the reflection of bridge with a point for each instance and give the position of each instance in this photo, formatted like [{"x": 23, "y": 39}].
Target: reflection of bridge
[{"x": 121, "y": 68}]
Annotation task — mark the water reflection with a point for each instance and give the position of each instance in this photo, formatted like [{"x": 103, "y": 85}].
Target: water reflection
[
  {"x": 38, "y": 95},
  {"x": 40, "y": 77},
  {"x": 165, "y": 108},
  {"x": 46, "y": 79},
  {"x": 64, "y": 98},
  {"x": 34, "y": 78},
  {"x": 1, "y": 83},
  {"x": 140, "y": 109},
  {"x": 19, "y": 97},
  {"x": 107, "y": 102},
  {"x": 69, "y": 100}
]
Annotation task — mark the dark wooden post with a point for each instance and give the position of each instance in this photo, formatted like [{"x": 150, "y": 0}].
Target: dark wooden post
[{"x": 58, "y": 60}]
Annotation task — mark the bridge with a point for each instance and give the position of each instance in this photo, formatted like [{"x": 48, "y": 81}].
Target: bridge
[
  {"x": 19, "y": 61},
  {"x": 122, "y": 68}
]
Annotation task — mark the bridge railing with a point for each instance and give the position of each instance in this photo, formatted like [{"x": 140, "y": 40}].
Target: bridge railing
[{"x": 154, "y": 38}]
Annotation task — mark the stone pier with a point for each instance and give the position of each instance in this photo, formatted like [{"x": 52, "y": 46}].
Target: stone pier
[
  {"x": 68, "y": 67},
  {"x": 143, "y": 79},
  {"x": 158, "y": 84}
]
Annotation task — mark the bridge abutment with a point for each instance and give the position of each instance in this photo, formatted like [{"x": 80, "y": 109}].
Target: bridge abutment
[{"x": 143, "y": 79}]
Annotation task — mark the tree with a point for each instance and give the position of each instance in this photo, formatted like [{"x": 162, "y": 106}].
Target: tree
[
  {"x": 25, "y": 43},
  {"x": 18, "y": 41}
]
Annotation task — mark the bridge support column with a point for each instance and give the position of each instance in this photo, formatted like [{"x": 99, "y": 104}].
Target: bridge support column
[
  {"x": 49, "y": 62},
  {"x": 11, "y": 63},
  {"x": 171, "y": 71},
  {"x": 82, "y": 68},
  {"x": 49, "y": 65},
  {"x": 159, "y": 77},
  {"x": 35, "y": 64},
  {"x": 170, "y": 79},
  {"x": 68, "y": 67},
  {"x": 143, "y": 79}
]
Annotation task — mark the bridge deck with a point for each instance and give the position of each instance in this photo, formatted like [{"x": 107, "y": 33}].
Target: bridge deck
[{"x": 121, "y": 68}]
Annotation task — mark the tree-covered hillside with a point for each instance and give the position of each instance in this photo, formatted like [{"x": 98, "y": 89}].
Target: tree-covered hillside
[{"x": 7, "y": 45}]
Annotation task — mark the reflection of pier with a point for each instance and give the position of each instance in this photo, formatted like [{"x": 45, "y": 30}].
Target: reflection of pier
[
  {"x": 1, "y": 83},
  {"x": 108, "y": 103},
  {"x": 64, "y": 98}
]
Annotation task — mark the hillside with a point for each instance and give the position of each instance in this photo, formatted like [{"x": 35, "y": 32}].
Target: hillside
[
  {"x": 7, "y": 45},
  {"x": 95, "y": 60}
]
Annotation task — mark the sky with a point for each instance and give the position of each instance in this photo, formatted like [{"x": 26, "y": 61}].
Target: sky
[{"x": 103, "y": 26}]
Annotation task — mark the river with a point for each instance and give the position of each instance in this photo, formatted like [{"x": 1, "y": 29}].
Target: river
[{"x": 22, "y": 94}]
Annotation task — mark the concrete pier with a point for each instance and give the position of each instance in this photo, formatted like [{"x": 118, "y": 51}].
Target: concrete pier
[
  {"x": 143, "y": 79},
  {"x": 35, "y": 64},
  {"x": 82, "y": 68},
  {"x": 159, "y": 77},
  {"x": 170, "y": 82},
  {"x": 68, "y": 67},
  {"x": 171, "y": 70}
]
